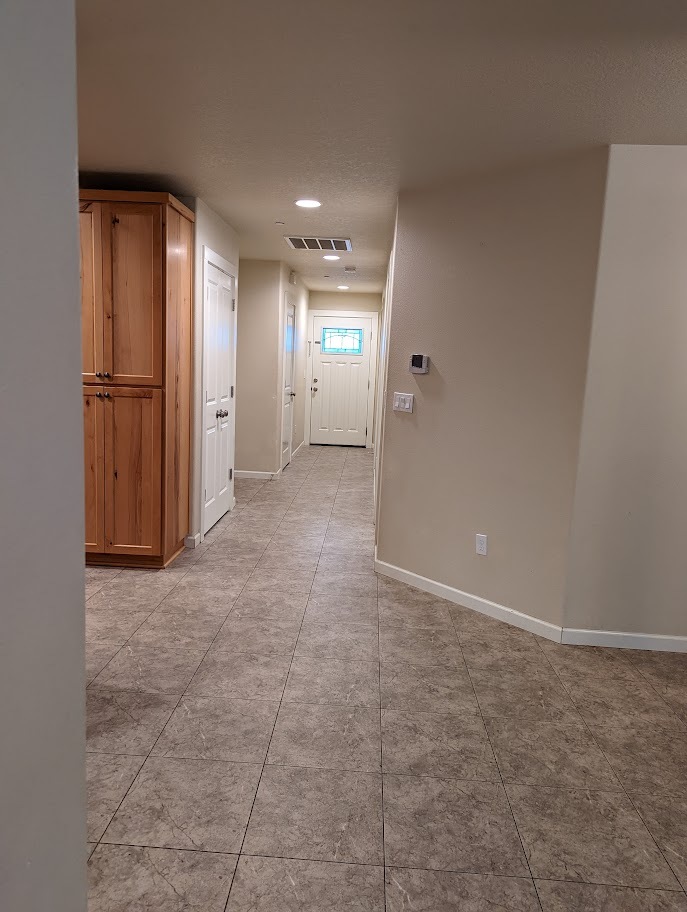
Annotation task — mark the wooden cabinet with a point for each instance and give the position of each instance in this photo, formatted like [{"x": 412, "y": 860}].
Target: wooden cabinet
[{"x": 136, "y": 303}]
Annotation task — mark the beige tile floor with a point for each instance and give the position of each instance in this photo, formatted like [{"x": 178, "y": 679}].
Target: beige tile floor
[{"x": 274, "y": 728}]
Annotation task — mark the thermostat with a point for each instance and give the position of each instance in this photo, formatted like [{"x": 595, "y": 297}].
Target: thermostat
[{"x": 419, "y": 364}]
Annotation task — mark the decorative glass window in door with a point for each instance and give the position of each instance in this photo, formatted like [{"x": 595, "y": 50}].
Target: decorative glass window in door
[{"x": 337, "y": 341}]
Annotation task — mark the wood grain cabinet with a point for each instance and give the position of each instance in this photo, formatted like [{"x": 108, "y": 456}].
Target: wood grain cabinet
[{"x": 136, "y": 310}]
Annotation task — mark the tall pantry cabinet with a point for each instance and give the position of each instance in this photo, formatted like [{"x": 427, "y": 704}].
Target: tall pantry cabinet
[{"x": 136, "y": 319}]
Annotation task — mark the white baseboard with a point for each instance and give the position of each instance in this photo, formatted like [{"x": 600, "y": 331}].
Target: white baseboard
[
  {"x": 567, "y": 635},
  {"x": 263, "y": 476},
  {"x": 623, "y": 640},
  {"x": 476, "y": 602},
  {"x": 192, "y": 541},
  {"x": 301, "y": 444}
]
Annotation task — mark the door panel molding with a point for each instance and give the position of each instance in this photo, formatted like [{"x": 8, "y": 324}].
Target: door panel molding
[
  {"x": 133, "y": 470},
  {"x": 94, "y": 472},
  {"x": 374, "y": 352},
  {"x": 132, "y": 245},
  {"x": 91, "y": 265}
]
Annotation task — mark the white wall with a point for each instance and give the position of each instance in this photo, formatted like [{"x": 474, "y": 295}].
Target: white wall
[
  {"x": 213, "y": 232},
  {"x": 42, "y": 778},
  {"x": 493, "y": 279},
  {"x": 628, "y": 570}
]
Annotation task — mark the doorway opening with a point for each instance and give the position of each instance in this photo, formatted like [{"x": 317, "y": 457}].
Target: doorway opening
[
  {"x": 289, "y": 393},
  {"x": 341, "y": 372}
]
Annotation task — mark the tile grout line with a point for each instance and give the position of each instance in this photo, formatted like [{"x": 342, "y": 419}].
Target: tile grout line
[
  {"x": 621, "y": 784},
  {"x": 240, "y": 852},
  {"x": 176, "y": 705},
  {"x": 496, "y": 761}
]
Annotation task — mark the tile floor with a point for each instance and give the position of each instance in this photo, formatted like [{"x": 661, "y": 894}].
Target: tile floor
[{"x": 274, "y": 728}]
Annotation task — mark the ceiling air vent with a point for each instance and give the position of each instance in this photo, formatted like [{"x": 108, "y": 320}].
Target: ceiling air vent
[{"x": 317, "y": 243}]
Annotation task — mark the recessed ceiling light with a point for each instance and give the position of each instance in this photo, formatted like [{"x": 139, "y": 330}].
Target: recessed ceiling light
[
  {"x": 342, "y": 287},
  {"x": 331, "y": 256},
  {"x": 308, "y": 204}
]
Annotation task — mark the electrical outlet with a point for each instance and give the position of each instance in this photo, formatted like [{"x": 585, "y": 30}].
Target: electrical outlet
[{"x": 481, "y": 544}]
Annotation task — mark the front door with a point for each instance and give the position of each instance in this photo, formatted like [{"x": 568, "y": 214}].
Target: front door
[
  {"x": 289, "y": 393},
  {"x": 342, "y": 349},
  {"x": 219, "y": 394}
]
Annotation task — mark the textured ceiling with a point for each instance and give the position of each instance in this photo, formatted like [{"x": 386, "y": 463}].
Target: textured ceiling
[{"x": 251, "y": 105}]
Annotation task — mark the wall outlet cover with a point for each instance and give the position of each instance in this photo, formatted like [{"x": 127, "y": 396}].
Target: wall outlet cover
[
  {"x": 481, "y": 544},
  {"x": 404, "y": 402}
]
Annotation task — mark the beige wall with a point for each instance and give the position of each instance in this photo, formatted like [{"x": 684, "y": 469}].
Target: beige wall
[
  {"x": 628, "y": 570},
  {"x": 495, "y": 281},
  {"x": 258, "y": 360},
  {"x": 263, "y": 288},
  {"x": 213, "y": 232},
  {"x": 42, "y": 724},
  {"x": 344, "y": 300}
]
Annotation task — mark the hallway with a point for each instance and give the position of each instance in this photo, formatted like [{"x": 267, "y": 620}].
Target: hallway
[{"x": 244, "y": 704}]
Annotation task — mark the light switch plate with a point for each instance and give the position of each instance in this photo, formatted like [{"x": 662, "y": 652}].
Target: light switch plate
[{"x": 403, "y": 402}]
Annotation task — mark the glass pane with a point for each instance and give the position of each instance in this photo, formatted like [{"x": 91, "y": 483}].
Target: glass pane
[{"x": 341, "y": 341}]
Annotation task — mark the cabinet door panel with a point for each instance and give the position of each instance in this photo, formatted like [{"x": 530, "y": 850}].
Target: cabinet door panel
[
  {"x": 133, "y": 471},
  {"x": 94, "y": 472},
  {"x": 91, "y": 291},
  {"x": 132, "y": 284}
]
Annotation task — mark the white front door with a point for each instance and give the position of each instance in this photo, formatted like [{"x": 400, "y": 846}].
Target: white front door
[
  {"x": 342, "y": 350},
  {"x": 289, "y": 394},
  {"x": 219, "y": 399}
]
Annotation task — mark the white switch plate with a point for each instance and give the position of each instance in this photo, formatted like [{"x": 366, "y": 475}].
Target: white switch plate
[
  {"x": 481, "y": 544},
  {"x": 403, "y": 402}
]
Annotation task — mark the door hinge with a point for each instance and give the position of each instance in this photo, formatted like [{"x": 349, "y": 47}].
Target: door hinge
[
  {"x": 231, "y": 474},
  {"x": 233, "y": 303},
  {"x": 232, "y": 392}
]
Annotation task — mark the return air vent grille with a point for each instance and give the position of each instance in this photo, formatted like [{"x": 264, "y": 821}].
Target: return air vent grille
[{"x": 315, "y": 243}]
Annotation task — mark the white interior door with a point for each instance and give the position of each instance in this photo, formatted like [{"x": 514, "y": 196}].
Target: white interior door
[
  {"x": 289, "y": 393},
  {"x": 219, "y": 355},
  {"x": 342, "y": 350}
]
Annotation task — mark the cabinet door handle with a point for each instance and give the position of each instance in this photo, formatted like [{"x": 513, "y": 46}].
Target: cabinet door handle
[
  {"x": 98, "y": 395},
  {"x": 98, "y": 373},
  {"x": 107, "y": 395},
  {"x": 108, "y": 375}
]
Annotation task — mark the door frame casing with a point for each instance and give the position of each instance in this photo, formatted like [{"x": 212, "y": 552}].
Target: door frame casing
[
  {"x": 230, "y": 269},
  {"x": 345, "y": 314}
]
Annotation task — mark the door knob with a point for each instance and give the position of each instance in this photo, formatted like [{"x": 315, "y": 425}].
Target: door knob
[
  {"x": 293, "y": 395},
  {"x": 315, "y": 380},
  {"x": 98, "y": 395},
  {"x": 98, "y": 373},
  {"x": 222, "y": 413},
  {"x": 107, "y": 395},
  {"x": 314, "y": 389},
  {"x": 108, "y": 375}
]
